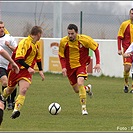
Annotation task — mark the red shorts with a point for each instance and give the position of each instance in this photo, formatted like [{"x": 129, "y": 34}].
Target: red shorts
[
  {"x": 128, "y": 60},
  {"x": 74, "y": 73},
  {"x": 14, "y": 78}
]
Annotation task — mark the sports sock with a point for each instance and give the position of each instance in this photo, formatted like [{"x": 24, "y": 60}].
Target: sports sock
[
  {"x": 83, "y": 107},
  {"x": 3, "y": 87},
  {"x": 13, "y": 95},
  {"x": 4, "y": 94},
  {"x": 1, "y": 116},
  {"x": 132, "y": 82},
  {"x": 82, "y": 95},
  {"x": 126, "y": 76},
  {"x": 8, "y": 98},
  {"x": 19, "y": 102}
]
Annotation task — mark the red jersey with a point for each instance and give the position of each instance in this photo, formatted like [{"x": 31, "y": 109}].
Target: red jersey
[
  {"x": 74, "y": 54},
  {"x": 125, "y": 35}
]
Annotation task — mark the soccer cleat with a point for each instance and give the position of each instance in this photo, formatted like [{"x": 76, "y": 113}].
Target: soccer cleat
[
  {"x": 89, "y": 90},
  {"x": 131, "y": 91},
  {"x": 15, "y": 114},
  {"x": 126, "y": 89},
  {"x": 84, "y": 112}
]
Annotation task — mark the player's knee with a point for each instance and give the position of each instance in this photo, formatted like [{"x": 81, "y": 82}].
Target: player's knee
[
  {"x": 4, "y": 83},
  {"x": 127, "y": 68},
  {"x": 23, "y": 91}
]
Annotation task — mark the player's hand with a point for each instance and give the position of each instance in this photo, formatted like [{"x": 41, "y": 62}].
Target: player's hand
[
  {"x": 31, "y": 70},
  {"x": 42, "y": 75},
  {"x": 64, "y": 72},
  {"x": 15, "y": 67},
  {"x": 119, "y": 52},
  {"x": 127, "y": 54},
  {"x": 7, "y": 43},
  {"x": 97, "y": 68}
]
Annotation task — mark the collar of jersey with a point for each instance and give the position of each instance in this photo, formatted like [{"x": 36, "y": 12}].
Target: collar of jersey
[
  {"x": 2, "y": 36},
  {"x": 31, "y": 39}
]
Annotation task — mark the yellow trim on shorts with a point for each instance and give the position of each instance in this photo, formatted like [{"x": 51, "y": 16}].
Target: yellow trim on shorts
[
  {"x": 74, "y": 85},
  {"x": 83, "y": 75},
  {"x": 127, "y": 63},
  {"x": 25, "y": 79}
]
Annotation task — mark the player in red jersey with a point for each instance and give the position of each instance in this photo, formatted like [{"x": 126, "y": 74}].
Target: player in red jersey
[
  {"x": 73, "y": 55},
  {"x": 124, "y": 39},
  {"x": 26, "y": 55},
  {"x": 14, "y": 68}
]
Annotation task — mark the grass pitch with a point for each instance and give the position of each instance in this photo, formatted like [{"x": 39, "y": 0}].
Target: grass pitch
[{"x": 110, "y": 109}]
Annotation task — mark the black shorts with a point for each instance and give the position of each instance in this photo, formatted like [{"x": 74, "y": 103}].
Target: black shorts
[{"x": 3, "y": 72}]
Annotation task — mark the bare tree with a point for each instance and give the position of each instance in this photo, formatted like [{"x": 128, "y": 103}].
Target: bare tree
[
  {"x": 27, "y": 29},
  {"x": 39, "y": 19}
]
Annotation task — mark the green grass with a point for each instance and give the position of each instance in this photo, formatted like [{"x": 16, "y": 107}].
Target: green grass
[{"x": 110, "y": 109}]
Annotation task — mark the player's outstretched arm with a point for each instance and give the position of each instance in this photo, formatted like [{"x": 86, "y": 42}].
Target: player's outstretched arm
[
  {"x": 97, "y": 67},
  {"x": 7, "y": 56},
  {"x": 42, "y": 75},
  {"x": 127, "y": 54},
  {"x": 39, "y": 64}
]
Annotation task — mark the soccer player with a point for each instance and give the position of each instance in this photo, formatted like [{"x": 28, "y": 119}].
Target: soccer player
[
  {"x": 25, "y": 55},
  {"x": 6, "y": 31},
  {"x": 124, "y": 39},
  {"x": 8, "y": 43},
  {"x": 129, "y": 54},
  {"x": 73, "y": 55},
  {"x": 14, "y": 68}
]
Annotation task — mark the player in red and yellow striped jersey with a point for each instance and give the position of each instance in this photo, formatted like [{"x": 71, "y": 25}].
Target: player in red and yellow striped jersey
[
  {"x": 73, "y": 55},
  {"x": 124, "y": 39},
  {"x": 6, "y": 31},
  {"x": 26, "y": 55}
]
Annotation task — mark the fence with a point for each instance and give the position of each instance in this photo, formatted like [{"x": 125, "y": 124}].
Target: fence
[{"x": 96, "y": 26}]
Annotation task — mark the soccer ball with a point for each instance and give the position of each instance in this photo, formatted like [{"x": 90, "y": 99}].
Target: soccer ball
[{"x": 54, "y": 108}]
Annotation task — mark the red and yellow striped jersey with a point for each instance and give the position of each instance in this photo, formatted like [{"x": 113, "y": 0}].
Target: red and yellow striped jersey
[
  {"x": 6, "y": 31},
  {"x": 75, "y": 53},
  {"x": 28, "y": 51},
  {"x": 125, "y": 34}
]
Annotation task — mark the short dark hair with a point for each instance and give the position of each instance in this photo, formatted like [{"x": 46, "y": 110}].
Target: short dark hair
[
  {"x": 131, "y": 10},
  {"x": 35, "y": 30},
  {"x": 1, "y": 22},
  {"x": 72, "y": 26}
]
